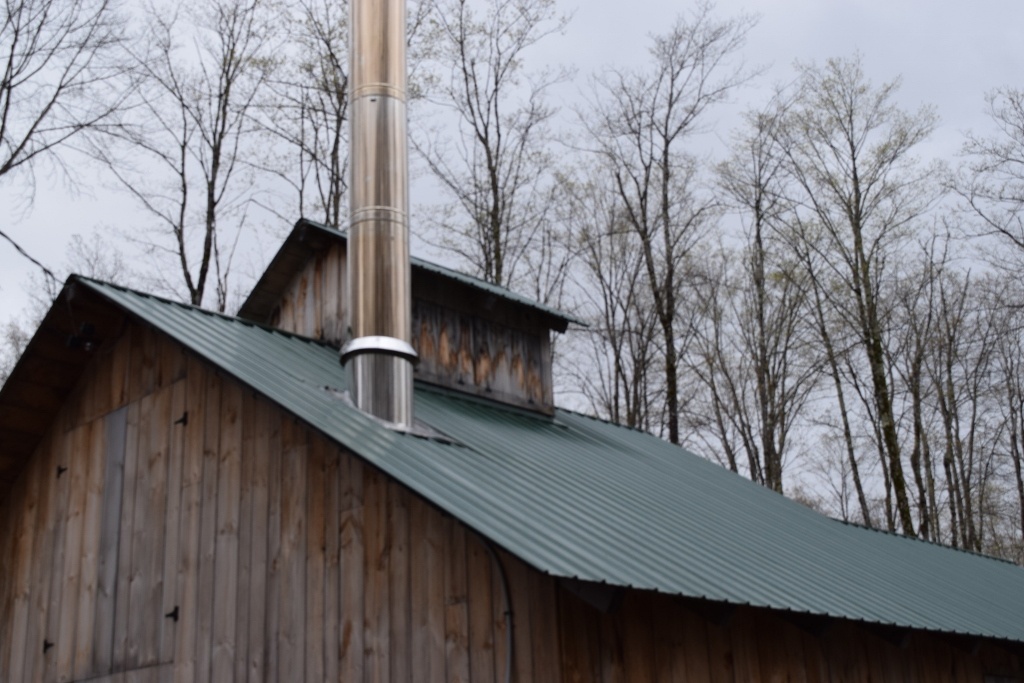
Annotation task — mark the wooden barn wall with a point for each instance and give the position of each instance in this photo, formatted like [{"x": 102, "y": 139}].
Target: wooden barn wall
[
  {"x": 651, "y": 637},
  {"x": 198, "y": 533},
  {"x": 176, "y": 527},
  {"x": 314, "y": 305},
  {"x": 482, "y": 357},
  {"x": 456, "y": 348}
]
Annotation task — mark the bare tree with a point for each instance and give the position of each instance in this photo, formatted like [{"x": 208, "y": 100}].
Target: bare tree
[
  {"x": 991, "y": 179},
  {"x": 93, "y": 257},
  {"x": 62, "y": 76},
  {"x": 638, "y": 123},
  {"x": 303, "y": 109},
  {"x": 617, "y": 368},
  {"x": 497, "y": 165},
  {"x": 183, "y": 159},
  {"x": 851, "y": 150},
  {"x": 752, "y": 351},
  {"x": 916, "y": 311},
  {"x": 13, "y": 340},
  {"x": 1008, "y": 315}
]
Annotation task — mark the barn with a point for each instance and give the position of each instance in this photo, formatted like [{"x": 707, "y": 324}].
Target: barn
[
  {"x": 188, "y": 496},
  {"x": 193, "y": 497}
]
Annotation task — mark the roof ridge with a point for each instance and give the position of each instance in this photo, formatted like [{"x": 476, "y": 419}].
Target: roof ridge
[
  {"x": 199, "y": 309},
  {"x": 453, "y": 273},
  {"x": 603, "y": 420}
]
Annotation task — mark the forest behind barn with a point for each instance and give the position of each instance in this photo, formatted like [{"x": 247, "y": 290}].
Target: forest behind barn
[{"x": 809, "y": 299}]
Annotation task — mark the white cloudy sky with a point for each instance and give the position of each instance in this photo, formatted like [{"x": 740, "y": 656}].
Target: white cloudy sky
[{"x": 948, "y": 54}]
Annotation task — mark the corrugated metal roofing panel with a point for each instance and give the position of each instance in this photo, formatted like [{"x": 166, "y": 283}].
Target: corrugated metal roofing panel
[{"x": 579, "y": 498}]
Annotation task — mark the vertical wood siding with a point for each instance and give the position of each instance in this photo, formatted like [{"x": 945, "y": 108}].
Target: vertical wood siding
[
  {"x": 314, "y": 304},
  {"x": 651, "y": 637},
  {"x": 283, "y": 557},
  {"x": 457, "y": 348},
  {"x": 196, "y": 532}
]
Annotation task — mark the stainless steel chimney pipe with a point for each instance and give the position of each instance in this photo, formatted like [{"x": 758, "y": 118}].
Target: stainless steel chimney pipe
[{"x": 379, "y": 358}]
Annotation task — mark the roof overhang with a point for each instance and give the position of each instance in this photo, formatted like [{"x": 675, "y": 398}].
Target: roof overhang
[{"x": 78, "y": 326}]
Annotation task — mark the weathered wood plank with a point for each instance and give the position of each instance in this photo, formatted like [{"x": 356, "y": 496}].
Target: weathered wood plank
[
  {"x": 264, "y": 438},
  {"x": 211, "y": 423},
  {"x": 793, "y": 642},
  {"x": 54, "y": 569},
  {"x": 671, "y": 649},
  {"x": 996, "y": 659},
  {"x": 720, "y": 654},
  {"x": 966, "y": 667},
  {"x": 579, "y": 639},
  {"x": 186, "y": 577},
  {"x": 85, "y": 620},
  {"x": 120, "y": 362},
  {"x": 483, "y": 357},
  {"x": 229, "y": 475},
  {"x": 377, "y": 549},
  {"x": 426, "y": 542},
  {"x": 456, "y": 612},
  {"x": 79, "y": 462},
  {"x": 274, "y": 497},
  {"x": 33, "y": 502},
  {"x": 692, "y": 660},
  {"x": 613, "y": 656},
  {"x": 142, "y": 362},
  {"x": 172, "y": 362},
  {"x": 545, "y": 633},
  {"x": 126, "y": 536},
  {"x": 890, "y": 663},
  {"x": 779, "y": 649},
  {"x": 115, "y": 427},
  {"x": 836, "y": 646},
  {"x": 814, "y": 660},
  {"x": 8, "y": 567},
  {"x": 485, "y": 615},
  {"x": 523, "y": 620},
  {"x": 352, "y": 569},
  {"x": 243, "y": 584},
  {"x": 177, "y": 434},
  {"x": 637, "y": 643},
  {"x": 28, "y": 638},
  {"x": 399, "y": 619},
  {"x": 331, "y": 314},
  {"x": 315, "y": 560},
  {"x": 145, "y": 599},
  {"x": 95, "y": 383},
  {"x": 936, "y": 662},
  {"x": 291, "y": 622},
  {"x": 149, "y": 674},
  {"x": 332, "y": 570},
  {"x": 314, "y": 304}
]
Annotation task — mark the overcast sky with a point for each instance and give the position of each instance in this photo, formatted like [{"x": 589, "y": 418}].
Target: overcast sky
[{"x": 948, "y": 54}]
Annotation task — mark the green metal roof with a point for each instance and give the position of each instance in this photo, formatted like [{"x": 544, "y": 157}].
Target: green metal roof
[{"x": 579, "y": 498}]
